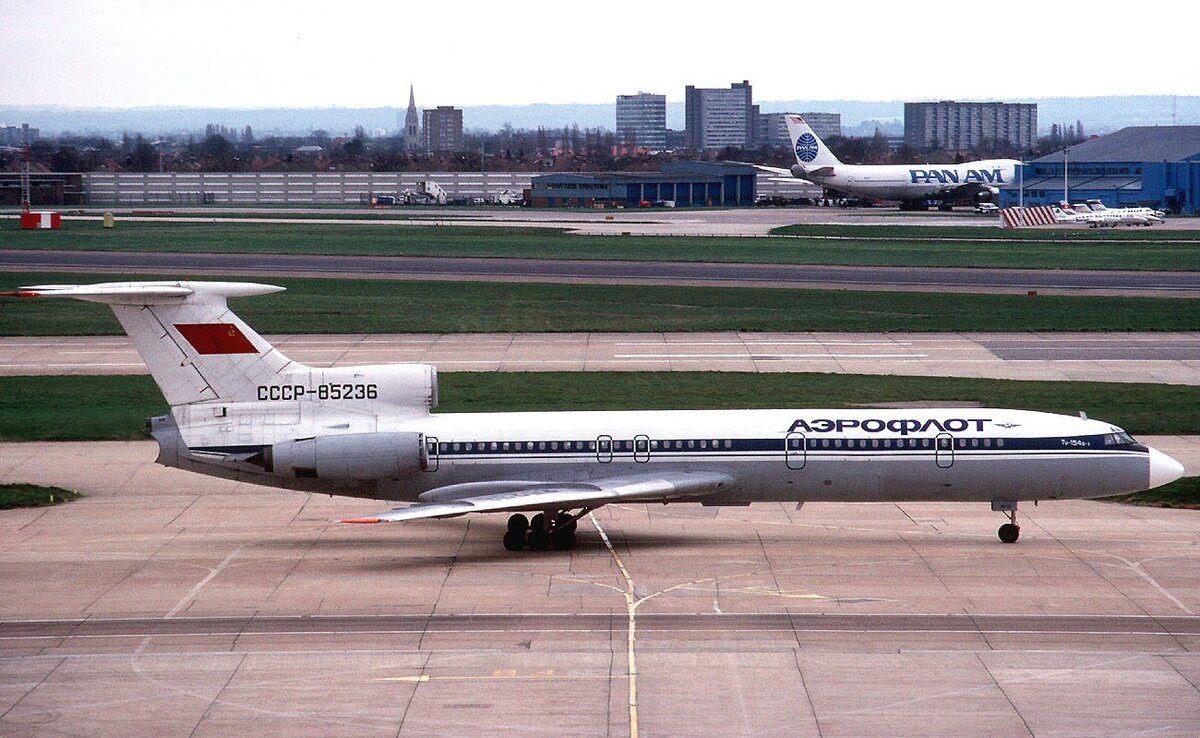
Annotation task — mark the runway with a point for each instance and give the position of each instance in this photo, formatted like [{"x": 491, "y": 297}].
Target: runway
[
  {"x": 796, "y": 276},
  {"x": 1167, "y": 358},
  {"x": 169, "y": 604}
]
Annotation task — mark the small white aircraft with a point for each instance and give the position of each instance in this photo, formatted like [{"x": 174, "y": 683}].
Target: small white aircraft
[
  {"x": 1095, "y": 215},
  {"x": 914, "y": 185},
  {"x": 242, "y": 410}
]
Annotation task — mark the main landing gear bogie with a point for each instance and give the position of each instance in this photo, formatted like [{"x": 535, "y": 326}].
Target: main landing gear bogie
[{"x": 544, "y": 532}]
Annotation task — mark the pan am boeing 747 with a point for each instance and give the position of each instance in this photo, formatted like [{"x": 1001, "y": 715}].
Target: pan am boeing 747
[
  {"x": 914, "y": 185},
  {"x": 240, "y": 409}
]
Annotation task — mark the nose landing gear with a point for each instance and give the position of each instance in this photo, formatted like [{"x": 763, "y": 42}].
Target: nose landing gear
[{"x": 1010, "y": 531}]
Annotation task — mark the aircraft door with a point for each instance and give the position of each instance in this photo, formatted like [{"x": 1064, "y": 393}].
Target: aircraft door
[
  {"x": 429, "y": 454},
  {"x": 604, "y": 449},
  {"x": 794, "y": 451},
  {"x": 944, "y": 450},
  {"x": 641, "y": 448}
]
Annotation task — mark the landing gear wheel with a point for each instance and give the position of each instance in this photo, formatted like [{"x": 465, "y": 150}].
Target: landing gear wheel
[
  {"x": 1009, "y": 533},
  {"x": 565, "y": 522},
  {"x": 539, "y": 533},
  {"x": 518, "y": 523},
  {"x": 518, "y": 528},
  {"x": 563, "y": 540}
]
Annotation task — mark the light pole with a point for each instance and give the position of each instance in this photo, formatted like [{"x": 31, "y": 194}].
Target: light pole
[{"x": 1066, "y": 187}]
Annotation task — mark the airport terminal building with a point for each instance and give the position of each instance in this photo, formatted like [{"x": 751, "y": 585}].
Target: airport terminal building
[
  {"x": 1152, "y": 166},
  {"x": 683, "y": 184}
]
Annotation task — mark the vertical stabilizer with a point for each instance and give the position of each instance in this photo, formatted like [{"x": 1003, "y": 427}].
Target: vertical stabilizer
[
  {"x": 811, "y": 152},
  {"x": 196, "y": 348}
]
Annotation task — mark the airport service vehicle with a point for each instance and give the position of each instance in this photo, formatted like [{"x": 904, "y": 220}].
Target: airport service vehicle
[
  {"x": 914, "y": 185},
  {"x": 242, "y": 410}
]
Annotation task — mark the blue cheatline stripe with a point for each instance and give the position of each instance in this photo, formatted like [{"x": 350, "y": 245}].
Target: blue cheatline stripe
[
  {"x": 743, "y": 447},
  {"x": 715, "y": 447}
]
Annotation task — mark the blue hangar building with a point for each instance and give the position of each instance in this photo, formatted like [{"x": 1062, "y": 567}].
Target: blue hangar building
[
  {"x": 690, "y": 184},
  {"x": 1152, "y": 166}
]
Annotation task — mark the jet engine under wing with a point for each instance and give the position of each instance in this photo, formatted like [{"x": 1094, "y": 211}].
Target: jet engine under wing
[{"x": 563, "y": 496}]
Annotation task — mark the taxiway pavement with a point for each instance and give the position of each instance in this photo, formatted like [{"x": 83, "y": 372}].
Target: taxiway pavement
[
  {"x": 654, "y": 221},
  {"x": 168, "y": 604},
  {"x": 1167, "y": 358},
  {"x": 565, "y": 271}
]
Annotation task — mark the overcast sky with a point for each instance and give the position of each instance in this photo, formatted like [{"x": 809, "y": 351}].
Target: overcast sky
[{"x": 251, "y": 53}]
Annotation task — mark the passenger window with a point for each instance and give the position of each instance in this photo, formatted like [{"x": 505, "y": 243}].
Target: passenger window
[
  {"x": 1000, "y": 443},
  {"x": 729, "y": 444}
]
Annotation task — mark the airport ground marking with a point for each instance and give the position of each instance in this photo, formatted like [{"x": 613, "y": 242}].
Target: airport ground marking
[{"x": 631, "y": 604}]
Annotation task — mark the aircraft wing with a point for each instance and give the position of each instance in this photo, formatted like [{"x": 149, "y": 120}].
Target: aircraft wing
[
  {"x": 533, "y": 495},
  {"x": 966, "y": 190},
  {"x": 777, "y": 171}
]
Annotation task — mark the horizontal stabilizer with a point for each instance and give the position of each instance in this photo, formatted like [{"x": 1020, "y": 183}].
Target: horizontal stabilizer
[
  {"x": 144, "y": 293},
  {"x": 565, "y": 496}
]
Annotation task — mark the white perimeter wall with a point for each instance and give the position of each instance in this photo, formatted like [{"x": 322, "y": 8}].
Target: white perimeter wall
[{"x": 223, "y": 188}]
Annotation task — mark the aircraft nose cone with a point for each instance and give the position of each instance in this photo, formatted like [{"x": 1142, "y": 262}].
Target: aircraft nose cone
[{"x": 1163, "y": 469}]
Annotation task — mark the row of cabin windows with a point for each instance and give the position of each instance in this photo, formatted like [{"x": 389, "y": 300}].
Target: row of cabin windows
[
  {"x": 641, "y": 445},
  {"x": 706, "y": 444},
  {"x": 942, "y": 443}
]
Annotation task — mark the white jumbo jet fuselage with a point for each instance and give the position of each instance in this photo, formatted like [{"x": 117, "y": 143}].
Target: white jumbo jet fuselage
[
  {"x": 908, "y": 183},
  {"x": 242, "y": 410}
]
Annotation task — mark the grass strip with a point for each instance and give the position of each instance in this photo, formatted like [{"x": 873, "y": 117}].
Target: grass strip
[
  {"x": 1182, "y": 493},
  {"x": 88, "y": 408},
  {"x": 1130, "y": 249},
  {"x": 32, "y": 495},
  {"x": 386, "y": 306}
]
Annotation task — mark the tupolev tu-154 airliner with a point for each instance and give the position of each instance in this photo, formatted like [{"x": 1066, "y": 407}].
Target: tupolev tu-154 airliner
[{"x": 242, "y": 410}]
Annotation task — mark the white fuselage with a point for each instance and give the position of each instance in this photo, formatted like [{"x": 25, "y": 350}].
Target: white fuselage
[
  {"x": 968, "y": 454},
  {"x": 1102, "y": 217},
  {"x": 912, "y": 181}
]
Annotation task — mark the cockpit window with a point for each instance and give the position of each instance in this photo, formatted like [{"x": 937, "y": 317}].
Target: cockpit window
[{"x": 1119, "y": 439}]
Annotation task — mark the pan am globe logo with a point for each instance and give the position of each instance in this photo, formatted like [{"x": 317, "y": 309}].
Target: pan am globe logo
[{"x": 806, "y": 147}]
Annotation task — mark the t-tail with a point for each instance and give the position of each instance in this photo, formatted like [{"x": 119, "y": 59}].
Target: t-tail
[
  {"x": 227, "y": 385},
  {"x": 813, "y": 157}
]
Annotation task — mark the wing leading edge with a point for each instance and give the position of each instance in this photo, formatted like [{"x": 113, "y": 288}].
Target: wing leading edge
[{"x": 668, "y": 486}]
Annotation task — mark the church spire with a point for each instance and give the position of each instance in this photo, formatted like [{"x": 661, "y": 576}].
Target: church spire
[{"x": 412, "y": 125}]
